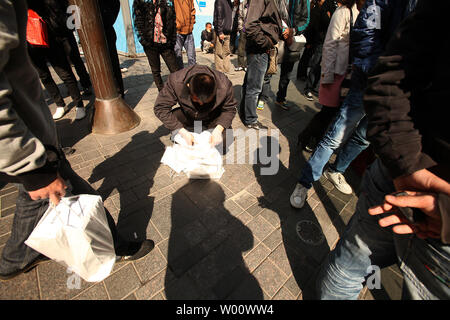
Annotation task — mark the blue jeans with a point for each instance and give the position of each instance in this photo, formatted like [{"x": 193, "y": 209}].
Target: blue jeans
[
  {"x": 365, "y": 244},
  {"x": 253, "y": 86},
  {"x": 341, "y": 129},
  {"x": 186, "y": 41}
]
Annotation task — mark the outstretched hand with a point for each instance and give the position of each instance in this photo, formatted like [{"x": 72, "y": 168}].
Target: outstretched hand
[{"x": 431, "y": 225}]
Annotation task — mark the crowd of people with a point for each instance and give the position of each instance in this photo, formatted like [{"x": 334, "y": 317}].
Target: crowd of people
[{"x": 361, "y": 58}]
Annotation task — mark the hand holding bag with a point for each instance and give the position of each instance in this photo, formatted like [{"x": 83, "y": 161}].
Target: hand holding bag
[{"x": 76, "y": 234}]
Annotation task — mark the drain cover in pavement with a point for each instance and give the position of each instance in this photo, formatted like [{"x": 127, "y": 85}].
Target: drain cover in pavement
[{"x": 310, "y": 232}]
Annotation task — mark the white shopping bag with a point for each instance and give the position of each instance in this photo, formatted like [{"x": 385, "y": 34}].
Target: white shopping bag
[
  {"x": 200, "y": 161},
  {"x": 76, "y": 234}
]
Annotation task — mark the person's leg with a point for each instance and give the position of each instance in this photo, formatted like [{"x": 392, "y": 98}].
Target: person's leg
[
  {"x": 170, "y": 59},
  {"x": 152, "y": 54},
  {"x": 363, "y": 247},
  {"x": 241, "y": 50},
  {"x": 111, "y": 40},
  {"x": 226, "y": 54},
  {"x": 285, "y": 73},
  {"x": 179, "y": 50},
  {"x": 257, "y": 67},
  {"x": 71, "y": 49},
  {"x": 218, "y": 55},
  {"x": 38, "y": 57},
  {"x": 190, "y": 49},
  {"x": 314, "y": 65},
  {"x": 266, "y": 89},
  {"x": 356, "y": 144},
  {"x": 303, "y": 63},
  {"x": 351, "y": 112}
]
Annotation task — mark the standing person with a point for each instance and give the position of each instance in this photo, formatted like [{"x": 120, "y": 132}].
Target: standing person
[
  {"x": 348, "y": 129},
  {"x": 185, "y": 17},
  {"x": 334, "y": 66},
  {"x": 155, "y": 23},
  {"x": 263, "y": 29},
  {"x": 54, "y": 13},
  {"x": 56, "y": 56},
  {"x": 242, "y": 55},
  {"x": 234, "y": 27},
  {"x": 109, "y": 10},
  {"x": 298, "y": 20},
  {"x": 403, "y": 99},
  {"x": 315, "y": 36},
  {"x": 223, "y": 24},
  {"x": 31, "y": 155},
  {"x": 207, "y": 43}
]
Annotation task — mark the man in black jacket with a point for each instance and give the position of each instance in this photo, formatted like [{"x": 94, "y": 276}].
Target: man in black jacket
[
  {"x": 223, "y": 23},
  {"x": 263, "y": 29},
  {"x": 403, "y": 101},
  {"x": 207, "y": 42}
]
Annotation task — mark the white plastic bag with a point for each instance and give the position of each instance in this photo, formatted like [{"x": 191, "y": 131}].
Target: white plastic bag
[
  {"x": 76, "y": 234},
  {"x": 200, "y": 161}
]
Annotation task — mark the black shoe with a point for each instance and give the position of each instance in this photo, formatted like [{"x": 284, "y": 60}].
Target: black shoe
[
  {"x": 39, "y": 260},
  {"x": 137, "y": 251},
  {"x": 256, "y": 125},
  {"x": 309, "y": 96}
]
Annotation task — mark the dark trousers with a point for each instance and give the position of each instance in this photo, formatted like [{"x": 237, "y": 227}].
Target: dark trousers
[
  {"x": 242, "y": 54},
  {"x": 168, "y": 54},
  {"x": 16, "y": 254},
  {"x": 57, "y": 58},
  {"x": 302, "y": 69},
  {"x": 312, "y": 80},
  {"x": 111, "y": 41},
  {"x": 71, "y": 49},
  {"x": 318, "y": 125},
  {"x": 286, "y": 69}
]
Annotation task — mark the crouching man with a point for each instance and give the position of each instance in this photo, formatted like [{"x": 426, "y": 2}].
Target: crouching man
[{"x": 203, "y": 95}]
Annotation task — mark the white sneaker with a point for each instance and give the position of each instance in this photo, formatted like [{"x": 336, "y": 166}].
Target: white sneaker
[
  {"x": 59, "y": 113},
  {"x": 298, "y": 197},
  {"x": 338, "y": 180},
  {"x": 80, "y": 113}
]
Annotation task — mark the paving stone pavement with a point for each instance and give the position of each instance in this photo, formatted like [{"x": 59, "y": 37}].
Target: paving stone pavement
[{"x": 235, "y": 238}]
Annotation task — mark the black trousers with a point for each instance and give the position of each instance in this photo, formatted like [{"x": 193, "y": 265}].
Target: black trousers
[
  {"x": 313, "y": 78},
  {"x": 71, "y": 49},
  {"x": 56, "y": 56},
  {"x": 153, "y": 55},
  {"x": 111, "y": 38}
]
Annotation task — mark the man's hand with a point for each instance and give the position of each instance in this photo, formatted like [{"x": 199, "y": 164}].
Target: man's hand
[
  {"x": 216, "y": 136},
  {"x": 221, "y": 36},
  {"x": 288, "y": 36},
  {"x": 54, "y": 191},
  {"x": 188, "y": 137},
  {"x": 426, "y": 202},
  {"x": 422, "y": 180}
]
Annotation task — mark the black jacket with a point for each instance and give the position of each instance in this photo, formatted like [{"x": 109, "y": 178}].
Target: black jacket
[
  {"x": 263, "y": 27},
  {"x": 144, "y": 13},
  {"x": 109, "y": 10},
  {"x": 53, "y": 12},
  {"x": 223, "y": 17},
  {"x": 408, "y": 93},
  {"x": 208, "y": 36},
  {"x": 318, "y": 26}
]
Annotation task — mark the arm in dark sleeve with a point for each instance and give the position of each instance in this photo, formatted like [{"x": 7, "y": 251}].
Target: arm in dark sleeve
[
  {"x": 302, "y": 16},
  {"x": 253, "y": 28},
  {"x": 400, "y": 72},
  {"x": 163, "y": 106},
  {"x": 218, "y": 17}
]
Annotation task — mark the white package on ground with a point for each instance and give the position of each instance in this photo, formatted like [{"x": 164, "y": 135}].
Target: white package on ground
[
  {"x": 200, "y": 161},
  {"x": 76, "y": 234}
]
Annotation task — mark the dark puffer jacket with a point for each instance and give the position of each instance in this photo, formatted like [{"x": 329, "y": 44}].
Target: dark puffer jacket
[
  {"x": 144, "y": 12},
  {"x": 373, "y": 28}
]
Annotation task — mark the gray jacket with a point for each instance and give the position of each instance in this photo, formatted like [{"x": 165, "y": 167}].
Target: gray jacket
[{"x": 27, "y": 130}]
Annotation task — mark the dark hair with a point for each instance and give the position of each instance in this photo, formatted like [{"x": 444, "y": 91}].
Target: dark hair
[
  {"x": 203, "y": 86},
  {"x": 349, "y": 3},
  {"x": 207, "y": 23}
]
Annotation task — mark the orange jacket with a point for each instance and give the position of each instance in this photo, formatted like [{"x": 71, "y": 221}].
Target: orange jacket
[{"x": 185, "y": 12}]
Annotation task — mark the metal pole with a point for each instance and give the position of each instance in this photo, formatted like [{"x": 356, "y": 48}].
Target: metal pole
[{"x": 112, "y": 114}]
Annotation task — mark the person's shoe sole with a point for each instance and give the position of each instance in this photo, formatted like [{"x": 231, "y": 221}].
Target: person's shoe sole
[
  {"x": 27, "y": 269},
  {"x": 146, "y": 247}
]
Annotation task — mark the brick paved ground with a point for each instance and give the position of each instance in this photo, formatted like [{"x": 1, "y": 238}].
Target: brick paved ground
[{"x": 235, "y": 238}]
